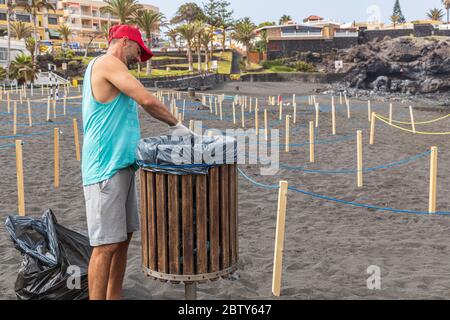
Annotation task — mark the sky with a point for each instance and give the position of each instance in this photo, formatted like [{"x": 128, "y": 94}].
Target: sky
[{"x": 340, "y": 11}]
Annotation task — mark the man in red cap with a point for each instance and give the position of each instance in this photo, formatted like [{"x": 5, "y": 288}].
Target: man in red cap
[{"x": 111, "y": 133}]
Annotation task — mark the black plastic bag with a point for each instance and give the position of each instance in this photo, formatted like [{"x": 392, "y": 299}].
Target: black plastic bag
[
  {"x": 185, "y": 155},
  {"x": 55, "y": 259}
]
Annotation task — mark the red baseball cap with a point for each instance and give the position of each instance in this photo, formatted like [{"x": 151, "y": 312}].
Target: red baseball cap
[{"x": 132, "y": 33}]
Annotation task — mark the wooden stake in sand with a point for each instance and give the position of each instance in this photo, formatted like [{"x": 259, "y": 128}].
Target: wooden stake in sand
[
  {"x": 19, "y": 170},
  {"x": 215, "y": 106},
  {"x": 30, "y": 121},
  {"x": 316, "y": 106},
  {"x": 287, "y": 132},
  {"x": 220, "y": 110},
  {"x": 210, "y": 105},
  {"x": 280, "y": 105},
  {"x": 266, "y": 125},
  {"x": 340, "y": 97},
  {"x": 294, "y": 120},
  {"x": 372, "y": 129},
  {"x": 311, "y": 141},
  {"x": 413, "y": 126},
  {"x": 42, "y": 89},
  {"x": 433, "y": 179},
  {"x": 250, "y": 104},
  {"x": 15, "y": 119},
  {"x": 243, "y": 116},
  {"x": 333, "y": 116},
  {"x": 256, "y": 122},
  {"x": 390, "y": 113},
  {"x": 48, "y": 108},
  {"x": 76, "y": 139},
  {"x": 348, "y": 107},
  {"x": 359, "y": 157},
  {"x": 184, "y": 107},
  {"x": 369, "y": 110},
  {"x": 279, "y": 239},
  {"x": 234, "y": 113},
  {"x": 56, "y": 157},
  {"x": 54, "y": 108},
  {"x": 64, "y": 105},
  {"x": 191, "y": 125},
  {"x": 20, "y": 96}
]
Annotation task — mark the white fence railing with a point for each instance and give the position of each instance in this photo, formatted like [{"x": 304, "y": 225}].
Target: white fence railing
[
  {"x": 346, "y": 34},
  {"x": 302, "y": 34}
]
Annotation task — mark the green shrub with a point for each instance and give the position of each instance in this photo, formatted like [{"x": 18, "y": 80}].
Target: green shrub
[
  {"x": 272, "y": 63},
  {"x": 282, "y": 69},
  {"x": 302, "y": 66}
]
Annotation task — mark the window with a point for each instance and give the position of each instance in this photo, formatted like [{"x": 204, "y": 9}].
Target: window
[
  {"x": 52, "y": 20},
  {"x": 2, "y": 16},
  {"x": 3, "y": 54},
  {"x": 23, "y": 17},
  {"x": 2, "y": 1}
]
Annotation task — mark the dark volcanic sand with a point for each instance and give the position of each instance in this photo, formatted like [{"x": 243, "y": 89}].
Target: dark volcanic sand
[{"x": 328, "y": 245}]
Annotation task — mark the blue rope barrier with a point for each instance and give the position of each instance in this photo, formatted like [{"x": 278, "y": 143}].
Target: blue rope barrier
[
  {"x": 345, "y": 171},
  {"x": 27, "y": 135},
  {"x": 7, "y": 146},
  {"x": 315, "y": 195}
]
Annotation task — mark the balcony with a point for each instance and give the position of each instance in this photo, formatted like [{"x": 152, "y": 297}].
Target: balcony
[
  {"x": 346, "y": 34},
  {"x": 302, "y": 34}
]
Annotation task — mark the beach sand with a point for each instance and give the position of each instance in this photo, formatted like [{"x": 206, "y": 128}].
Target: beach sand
[{"x": 328, "y": 245}]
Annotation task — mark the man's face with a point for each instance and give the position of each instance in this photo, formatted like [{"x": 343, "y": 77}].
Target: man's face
[{"x": 132, "y": 53}]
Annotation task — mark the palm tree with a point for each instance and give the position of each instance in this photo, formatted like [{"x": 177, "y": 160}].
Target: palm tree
[
  {"x": 447, "y": 7},
  {"x": 30, "y": 44},
  {"x": 23, "y": 69},
  {"x": 149, "y": 22},
  {"x": 198, "y": 43},
  {"x": 188, "y": 32},
  {"x": 436, "y": 14},
  {"x": 2, "y": 74},
  {"x": 244, "y": 33},
  {"x": 188, "y": 13},
  {"x": 65, "y": 32},
  {"x": 205, "y": 38},
  {"x": 20, "y": 30},
  {"x": 125, "y": 10},
  {"x": 10, "y": 5},
  {"x": 32, "y": 7},
  {"x": 105, "y": 31},
  {"x": 173, "y": 35},
  {"x": 395, "y": 20},
  {"x": 284, "y": 19}
]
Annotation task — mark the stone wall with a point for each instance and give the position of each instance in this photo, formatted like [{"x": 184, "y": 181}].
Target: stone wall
[
  {"x": 299, "y": 76},
  {"x": 287, "y": 48},
  {"x": 199, "y": 82}
]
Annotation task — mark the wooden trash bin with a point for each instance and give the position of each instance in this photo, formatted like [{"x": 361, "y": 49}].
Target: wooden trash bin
[{"x": 189, "y": 224}]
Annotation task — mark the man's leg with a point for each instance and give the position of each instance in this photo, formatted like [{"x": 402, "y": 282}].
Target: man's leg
[
  {"x": 117, "y": 271},
  {"x": 99, "y": 270}
]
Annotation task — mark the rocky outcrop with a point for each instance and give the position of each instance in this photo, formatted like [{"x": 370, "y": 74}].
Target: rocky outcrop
[{"x": 404, "y": 65}]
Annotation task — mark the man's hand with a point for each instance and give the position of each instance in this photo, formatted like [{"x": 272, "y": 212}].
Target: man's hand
[{"x": 179, "y": 130}]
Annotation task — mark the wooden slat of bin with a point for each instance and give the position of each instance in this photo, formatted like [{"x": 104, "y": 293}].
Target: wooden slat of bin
[
  {"x": 187, "y": 224},
  {"x": 214, "y": 240},
  {"x": 161, "y": 222},
  {"x": 201, "y": 223},
  {"x": 232, "y": 182},
  {"x": 174, "y": 238},
  {"x": 151, "y": 220},
  {"x": 224, "y": 219},
  {"x": 144, "y": 213}
]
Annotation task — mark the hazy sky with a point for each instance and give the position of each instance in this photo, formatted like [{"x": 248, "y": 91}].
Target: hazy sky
[{"x": 341, "y": 11}]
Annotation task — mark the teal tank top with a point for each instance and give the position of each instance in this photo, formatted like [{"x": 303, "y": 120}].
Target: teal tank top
[{"x": 111, "y": 134}]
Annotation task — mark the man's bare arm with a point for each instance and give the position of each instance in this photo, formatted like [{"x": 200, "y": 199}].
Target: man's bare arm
[{"x": 120, "y": 77}]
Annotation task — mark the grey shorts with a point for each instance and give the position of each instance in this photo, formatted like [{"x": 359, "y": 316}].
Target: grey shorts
[{"x": 112, "y": 208}]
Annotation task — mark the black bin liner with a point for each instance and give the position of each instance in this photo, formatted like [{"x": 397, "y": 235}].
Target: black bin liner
[
  {"x": 193, "y": 154},
  {"x": 48, "y": 250}
]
